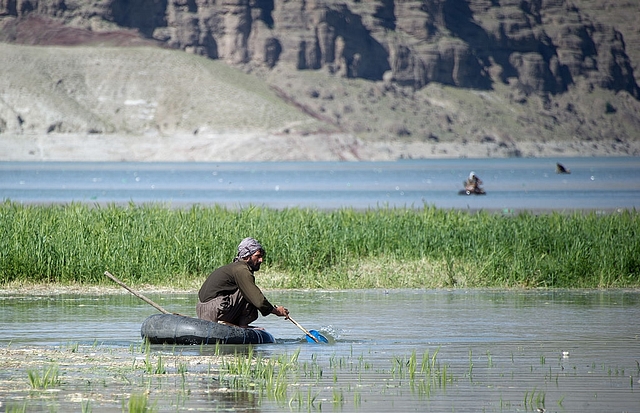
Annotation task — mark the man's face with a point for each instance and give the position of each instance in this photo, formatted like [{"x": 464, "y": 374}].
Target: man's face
[{"x": 255, "y": 260}]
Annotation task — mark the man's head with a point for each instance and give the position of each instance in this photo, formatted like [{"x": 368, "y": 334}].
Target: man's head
[{"x": 250, "y": 250}]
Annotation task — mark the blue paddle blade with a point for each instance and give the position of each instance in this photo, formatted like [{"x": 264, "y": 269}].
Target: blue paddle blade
[{"x": 317, "y": 335}]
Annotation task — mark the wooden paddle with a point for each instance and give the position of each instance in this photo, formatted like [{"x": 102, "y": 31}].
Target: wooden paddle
[
  {"x": 314, "y": 338},
  {"x": 140, "y": 296}
]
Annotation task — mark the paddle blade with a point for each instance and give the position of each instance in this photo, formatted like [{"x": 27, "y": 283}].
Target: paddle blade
[{"x": 318, "y": 336}]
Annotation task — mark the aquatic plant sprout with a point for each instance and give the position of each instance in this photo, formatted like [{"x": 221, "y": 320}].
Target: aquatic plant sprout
[
  {"x": 273, "y": 378},
  {"x": 45, "y": 378}
]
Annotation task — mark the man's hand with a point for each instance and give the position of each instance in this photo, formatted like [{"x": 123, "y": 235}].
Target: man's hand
[{"x": 280, "y": 311}]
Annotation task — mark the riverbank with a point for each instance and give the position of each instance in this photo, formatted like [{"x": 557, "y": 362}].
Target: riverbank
[
  {"x": 55, "y": 289},
  {"x": 52, "y": 290}
]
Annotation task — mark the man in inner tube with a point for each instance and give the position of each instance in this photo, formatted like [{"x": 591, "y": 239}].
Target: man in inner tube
[
  {"x": 230, "y": 294},
  {"x": 473, "y": 182}
]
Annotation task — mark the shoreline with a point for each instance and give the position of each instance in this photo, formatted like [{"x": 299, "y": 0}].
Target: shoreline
[
  {"x": 279, "y": 147},
  {"x": 22, "y": 288},
  {"x": 51, "y": 290}
]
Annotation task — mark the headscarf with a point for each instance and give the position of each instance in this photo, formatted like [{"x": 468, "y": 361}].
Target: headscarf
[{"x": 247, "y": 247}]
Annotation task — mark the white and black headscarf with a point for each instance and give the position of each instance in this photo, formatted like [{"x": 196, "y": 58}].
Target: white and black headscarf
[{"x": 247, "y": 247}]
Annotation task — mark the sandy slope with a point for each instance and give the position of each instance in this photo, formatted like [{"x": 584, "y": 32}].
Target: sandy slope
[
  {"x": 148, "y": 104},
  {"x": 271, "y": 147}
]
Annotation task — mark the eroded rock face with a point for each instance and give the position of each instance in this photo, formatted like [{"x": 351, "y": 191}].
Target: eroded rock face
[{"x": 536, "y": 45}]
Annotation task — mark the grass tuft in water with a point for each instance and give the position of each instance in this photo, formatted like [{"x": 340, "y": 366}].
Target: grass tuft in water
[
  {"x": 45, "y": 378},
  {"x": 139, "y": 403},
  {"x": 428, "y": 376},
  {"x": 85, "y": 406},
  {"x": 271, "y": 376},
  {"x": 534, "y": 400},
  {"x": 11, "y": 408}
]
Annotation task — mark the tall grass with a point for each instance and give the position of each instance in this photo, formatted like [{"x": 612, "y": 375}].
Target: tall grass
[{"x": 346, "y": 248}]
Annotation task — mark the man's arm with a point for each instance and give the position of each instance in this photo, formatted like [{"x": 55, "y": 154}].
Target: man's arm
[{"x": 251, "y": 292}]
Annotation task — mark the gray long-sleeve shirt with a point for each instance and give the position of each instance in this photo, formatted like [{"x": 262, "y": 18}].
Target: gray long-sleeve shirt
[{"x": 231, "y": 277}]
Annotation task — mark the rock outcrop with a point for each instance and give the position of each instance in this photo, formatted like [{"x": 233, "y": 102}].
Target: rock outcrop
[{"x": 538, "y": 46}]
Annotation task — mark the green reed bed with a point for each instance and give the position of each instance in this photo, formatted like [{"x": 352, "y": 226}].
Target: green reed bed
[{"x": 306, "y": 248}]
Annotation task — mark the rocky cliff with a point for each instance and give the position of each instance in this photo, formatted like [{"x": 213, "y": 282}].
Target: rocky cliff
[
  {"x": 542, "y": 45},
  {"x": 544, "y": 53}
]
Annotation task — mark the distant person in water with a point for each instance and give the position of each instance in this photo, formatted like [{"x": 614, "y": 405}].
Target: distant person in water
[
  {"x": 473, "y": 182},
  {"x": 230, "y": 294},
  {"x": 560, "y": 169}
]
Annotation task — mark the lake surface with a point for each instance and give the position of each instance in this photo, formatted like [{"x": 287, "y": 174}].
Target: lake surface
[
  {"x": 497, "y": 351},
  {"x": 514, "y": 351},
  {"x": 511, "y": 184}
]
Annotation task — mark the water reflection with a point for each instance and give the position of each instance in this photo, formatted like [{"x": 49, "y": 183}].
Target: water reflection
[{"x": 496, "y": 350}]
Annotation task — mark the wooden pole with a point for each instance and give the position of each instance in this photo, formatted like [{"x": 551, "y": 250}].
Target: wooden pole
[
  {"x": 303, "y": 329},
  {"x": 140, "y": 296}
]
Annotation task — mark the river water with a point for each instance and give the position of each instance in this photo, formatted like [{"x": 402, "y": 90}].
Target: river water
[
  {"x": 511, "y": 184},
  {"x": 514, "y": 351}
]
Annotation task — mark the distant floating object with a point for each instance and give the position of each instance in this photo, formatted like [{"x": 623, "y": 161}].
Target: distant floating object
[
  {"x": 560, "y": 169},
  {"x": 472, "y": 185}
]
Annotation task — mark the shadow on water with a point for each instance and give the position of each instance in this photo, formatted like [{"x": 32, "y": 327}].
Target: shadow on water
[{"x": 400, "y": 350}]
